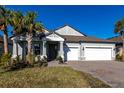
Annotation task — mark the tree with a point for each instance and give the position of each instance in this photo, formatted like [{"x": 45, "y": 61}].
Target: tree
[
  {"x": 119, "y": 29},
  {"x": 31, "y": 26},
  {"x": 16, "y": 22},
  {"x": 27, "y": 25},
  {"x": 4, "y": 22}
]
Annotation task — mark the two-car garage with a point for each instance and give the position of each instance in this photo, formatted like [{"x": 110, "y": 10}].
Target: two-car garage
[
  {"x": 98, "y": 53},
  {"x": 89, "y": 53}
]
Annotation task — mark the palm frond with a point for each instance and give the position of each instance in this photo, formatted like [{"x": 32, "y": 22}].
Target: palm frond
[
  {"x": 38, "y": 26},
  {"x": 118, "y": 27}
]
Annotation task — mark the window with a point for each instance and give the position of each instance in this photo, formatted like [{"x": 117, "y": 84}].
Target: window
[{"x": 37, "y": 49}]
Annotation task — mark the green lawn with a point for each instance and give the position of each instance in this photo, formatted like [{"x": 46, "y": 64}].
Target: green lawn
[{"x": 48, "y": 77}]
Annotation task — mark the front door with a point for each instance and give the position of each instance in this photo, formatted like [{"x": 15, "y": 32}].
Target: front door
[{"x": 52, "y": 51}]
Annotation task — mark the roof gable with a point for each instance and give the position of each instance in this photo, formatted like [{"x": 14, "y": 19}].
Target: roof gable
[
  {"x": 53, "y": 37},
  {"x": 68, "y": 30}
]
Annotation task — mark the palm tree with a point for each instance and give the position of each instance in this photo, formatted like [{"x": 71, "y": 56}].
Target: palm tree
[
  {"x": 25, "y": 24},
  {"x": 17, "y": 23},
  {"x": 4, "y": 22},
  {"x": 119, "y": 29},
  {"x": 32, "y": 26}
]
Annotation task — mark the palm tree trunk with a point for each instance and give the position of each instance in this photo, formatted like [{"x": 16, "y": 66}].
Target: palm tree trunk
[
  {"x": 5, "y": 42},
  {"x": 30, "y": 52},
  {"x": 29, "y": 44}
]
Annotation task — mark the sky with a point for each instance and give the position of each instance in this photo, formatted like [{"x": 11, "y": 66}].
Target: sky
[{"x": 92, "y": 20}]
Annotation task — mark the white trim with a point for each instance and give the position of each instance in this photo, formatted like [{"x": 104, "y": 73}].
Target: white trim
[
  {"x": 68, "y": 30},
  {"x": 53, "y": 37}
]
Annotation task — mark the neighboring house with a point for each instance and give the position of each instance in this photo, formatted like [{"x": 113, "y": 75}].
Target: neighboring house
[
  {"x": 2, "y": 45},
  {"x": 68, "y": 43},
  {"x": 119, "y": 44}
]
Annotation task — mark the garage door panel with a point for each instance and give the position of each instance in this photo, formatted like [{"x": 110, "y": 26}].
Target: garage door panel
[
  {"x": 72, "y": 54},
  {"x": 98, "y": 54}
]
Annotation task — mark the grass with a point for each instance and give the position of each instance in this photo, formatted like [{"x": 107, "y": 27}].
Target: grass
[{"x": 49, "y": 77}]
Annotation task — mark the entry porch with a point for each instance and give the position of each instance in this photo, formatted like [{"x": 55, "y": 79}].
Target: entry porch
[{"x": 50, "y": 46}]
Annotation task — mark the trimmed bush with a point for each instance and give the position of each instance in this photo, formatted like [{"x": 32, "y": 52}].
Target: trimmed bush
[
  {"x": 41, "y": 61},
  {"x": 44, "y": 62},
  {"x": 60, "y": 59}
]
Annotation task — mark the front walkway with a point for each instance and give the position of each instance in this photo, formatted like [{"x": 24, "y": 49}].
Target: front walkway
[{"x": 111, "y": 72}]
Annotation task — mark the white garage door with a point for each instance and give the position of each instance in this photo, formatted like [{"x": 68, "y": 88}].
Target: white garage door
[
  {"x": 73, "y": 53},
  {"x": 95, "y": 53}
]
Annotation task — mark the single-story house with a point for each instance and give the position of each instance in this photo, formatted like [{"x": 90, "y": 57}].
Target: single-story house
[
  {"x": 67, "y": 42},
  {"x": 119, "y": 44}
]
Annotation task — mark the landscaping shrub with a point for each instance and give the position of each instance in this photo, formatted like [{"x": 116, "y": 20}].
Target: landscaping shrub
[
  {"x": 30, "y": 58},
  {"x": 44, "y": 62},
  {"x": 41, "y": 61},
  {"x": 60, "y": 59},
  {"x": 119, "y": 57},
  {"x": 5, "y": 60},
  {"x": 37, "y": 60},
  {"x": 18, "y": 63}
]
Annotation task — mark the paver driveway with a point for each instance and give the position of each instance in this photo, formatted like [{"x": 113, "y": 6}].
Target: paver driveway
[{"x": 111, "y": 72}]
